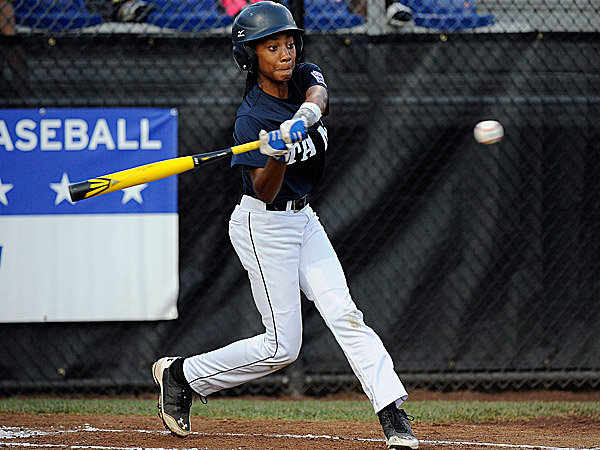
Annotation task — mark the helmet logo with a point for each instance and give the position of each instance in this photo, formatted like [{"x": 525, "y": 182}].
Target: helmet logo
[{"x": 241, "y": 33}]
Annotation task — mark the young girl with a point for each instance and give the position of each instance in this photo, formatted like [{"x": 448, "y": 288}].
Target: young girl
[{"x": 279, "y": 239}]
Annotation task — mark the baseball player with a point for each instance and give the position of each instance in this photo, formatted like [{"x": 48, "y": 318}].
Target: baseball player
[{"x": 279, "y": 238}]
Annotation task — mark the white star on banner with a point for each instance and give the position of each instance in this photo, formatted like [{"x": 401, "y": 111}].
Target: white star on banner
[
  {"x": 134, "y": 193},
  {"x": 62, "y": 190},
  {"x": 4, "y": 188}
]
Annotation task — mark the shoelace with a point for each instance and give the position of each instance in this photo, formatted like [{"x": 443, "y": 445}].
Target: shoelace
[
  {"x": 184, "y": 400},
  {"x": 396, "y": 422},
  {"x": 409, "y": 417}
]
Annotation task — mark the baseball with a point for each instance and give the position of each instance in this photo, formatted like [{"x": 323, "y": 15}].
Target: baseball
[{"x": 488, "y": 132}]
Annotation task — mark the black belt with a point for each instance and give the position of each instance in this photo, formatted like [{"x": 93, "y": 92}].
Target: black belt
[{"x": 296, "y": 205}]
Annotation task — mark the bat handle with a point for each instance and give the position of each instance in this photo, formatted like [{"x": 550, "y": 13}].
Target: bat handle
[{"x": 237, "y": 149}]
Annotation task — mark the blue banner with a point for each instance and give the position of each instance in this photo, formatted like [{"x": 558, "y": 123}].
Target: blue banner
[
  {"x": 111, "y": 257},
  {"x": 42, "y": 151}
]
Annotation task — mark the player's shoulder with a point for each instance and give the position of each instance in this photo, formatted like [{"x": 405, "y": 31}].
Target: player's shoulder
[
  {"x": 246, "y": 128},
  {"x": 310, "y": 74},
  {"x": 308, "y": 66}
]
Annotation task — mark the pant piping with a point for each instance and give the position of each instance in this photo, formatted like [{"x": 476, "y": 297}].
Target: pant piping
[{"x": 270, "y": 307}]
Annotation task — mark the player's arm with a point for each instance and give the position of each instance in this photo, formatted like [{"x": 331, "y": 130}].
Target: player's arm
[
  {"x": 267, "y": 180},
  {"x": 308, "y": 114},
  {"x": 318, "y": 95}
]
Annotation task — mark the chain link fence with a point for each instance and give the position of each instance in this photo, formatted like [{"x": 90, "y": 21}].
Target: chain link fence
[
  {"x": 479, "y": 266},
  {"x": 373, "y": 17}
]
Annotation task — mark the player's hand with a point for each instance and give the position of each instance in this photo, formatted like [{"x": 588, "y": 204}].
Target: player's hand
[
  {"x": 271, "y": 144},
  {"x": 293, "y": 130}
]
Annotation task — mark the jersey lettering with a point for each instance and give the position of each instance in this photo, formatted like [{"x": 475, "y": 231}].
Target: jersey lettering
[
  {"x": 292, "y": 154},
  {"x": 323, "y": 132},
  {"x": 308, "y": 149},
  {"x": 303, "y": 149}
]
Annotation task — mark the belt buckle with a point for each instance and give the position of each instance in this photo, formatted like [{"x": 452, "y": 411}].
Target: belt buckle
[{"x": 298, "y": 204}]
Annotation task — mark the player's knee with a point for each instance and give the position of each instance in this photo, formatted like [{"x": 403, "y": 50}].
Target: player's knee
[
  {"x": 288, "y": 351},
  {"x": 283, "y": 359},
  {"x": 291, "y": 354}
]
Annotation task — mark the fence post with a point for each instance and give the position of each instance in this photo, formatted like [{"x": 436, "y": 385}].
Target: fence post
[
  {"x": 375, "y": 17},
  {"x": 297, "y": 8}
]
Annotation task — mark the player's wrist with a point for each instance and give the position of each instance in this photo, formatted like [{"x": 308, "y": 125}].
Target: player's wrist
[
  {"x": 311, "y": 113},
  {"x": 281, "y": 158}
]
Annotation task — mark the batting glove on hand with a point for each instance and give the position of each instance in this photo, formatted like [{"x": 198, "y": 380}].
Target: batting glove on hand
[
  {"x": 271, "y": 144},
  {"x": 294, "y": 130}
]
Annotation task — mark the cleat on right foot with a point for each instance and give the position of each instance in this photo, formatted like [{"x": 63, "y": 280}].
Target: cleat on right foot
[{"x": 174, "y": 400}]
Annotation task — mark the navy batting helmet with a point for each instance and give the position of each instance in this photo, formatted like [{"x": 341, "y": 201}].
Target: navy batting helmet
[{"x": 258, "y": 21}]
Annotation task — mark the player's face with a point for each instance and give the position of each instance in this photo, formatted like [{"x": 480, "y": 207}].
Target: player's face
[{"x": 276, "y": 57}]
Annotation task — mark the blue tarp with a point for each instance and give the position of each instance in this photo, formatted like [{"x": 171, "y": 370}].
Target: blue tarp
[
  {"x": 54, "y": 14},
  {"x": 447, "y": 15}
]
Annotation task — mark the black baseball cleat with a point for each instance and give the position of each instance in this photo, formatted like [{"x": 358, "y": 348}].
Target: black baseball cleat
[
  {"x": 174, "y": 400},
  {"x": 396, "y": 427}
]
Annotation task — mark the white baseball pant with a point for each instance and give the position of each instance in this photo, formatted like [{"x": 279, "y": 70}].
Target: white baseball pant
[{"x": 283, "y": 252}]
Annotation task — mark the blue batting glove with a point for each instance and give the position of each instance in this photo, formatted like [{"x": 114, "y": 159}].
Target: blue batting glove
[
  {"x": 293, "y": 130},
  {"x": 276, "y": 141},
  {"x": 271, "y": 144}
]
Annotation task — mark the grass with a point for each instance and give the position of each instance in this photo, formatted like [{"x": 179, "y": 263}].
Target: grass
[{"x": 311, "y": 410}]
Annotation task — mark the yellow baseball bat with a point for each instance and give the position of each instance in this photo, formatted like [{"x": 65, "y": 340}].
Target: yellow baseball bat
[{"x": 150, "y": 172}]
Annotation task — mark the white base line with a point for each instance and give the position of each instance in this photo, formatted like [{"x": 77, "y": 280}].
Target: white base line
[
  {"x": 20, "y": 433},
  {"x": 489, "y": 444}
]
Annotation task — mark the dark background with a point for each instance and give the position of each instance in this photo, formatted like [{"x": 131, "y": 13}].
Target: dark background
[{"x": 479, "y": 266}]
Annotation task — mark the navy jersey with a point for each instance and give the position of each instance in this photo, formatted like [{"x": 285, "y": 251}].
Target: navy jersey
[{"x": 259, "y": 111}]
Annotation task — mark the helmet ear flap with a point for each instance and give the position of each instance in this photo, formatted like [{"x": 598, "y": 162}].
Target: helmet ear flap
[
  {"x": 299, "y": 44},
  {"x": 244, "y": 56},
  {"x": 252, "y": 57}
]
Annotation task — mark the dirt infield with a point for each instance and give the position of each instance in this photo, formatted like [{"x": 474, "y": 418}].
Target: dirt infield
[
  {"x": 135, "y": 432},
  {"x": 118, "y": 432}
]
